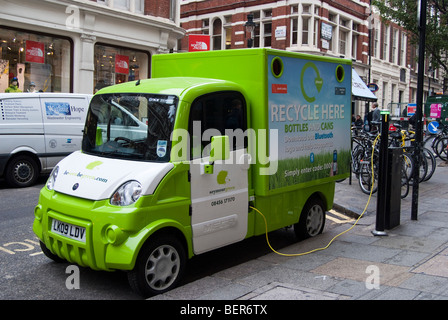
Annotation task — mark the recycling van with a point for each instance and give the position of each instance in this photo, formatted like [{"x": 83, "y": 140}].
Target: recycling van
[{"x": 215, "y": 148}]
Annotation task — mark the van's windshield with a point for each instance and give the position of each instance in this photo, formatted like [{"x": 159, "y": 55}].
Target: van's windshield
[{"x": 130, "y": 126}]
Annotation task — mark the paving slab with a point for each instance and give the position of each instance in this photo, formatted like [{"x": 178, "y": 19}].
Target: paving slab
[
  {"x": 282, "y": 291},
  {"x": 361, "y": 270}
]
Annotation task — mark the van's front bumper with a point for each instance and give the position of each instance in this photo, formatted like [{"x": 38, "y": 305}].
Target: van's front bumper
[{"x": 112, "y": 234}]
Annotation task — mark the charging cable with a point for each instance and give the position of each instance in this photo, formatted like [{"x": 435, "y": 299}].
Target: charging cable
[{"x": 331, "y": 241}]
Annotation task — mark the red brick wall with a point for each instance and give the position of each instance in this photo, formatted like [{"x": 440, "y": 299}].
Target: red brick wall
[{"x": 159, "y": 8}]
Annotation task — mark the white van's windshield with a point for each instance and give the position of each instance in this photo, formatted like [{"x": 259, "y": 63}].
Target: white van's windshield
[{"x": 130, "y": 126}]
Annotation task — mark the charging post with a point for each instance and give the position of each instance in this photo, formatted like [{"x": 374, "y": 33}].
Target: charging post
[{"x": 382, "y": 176}]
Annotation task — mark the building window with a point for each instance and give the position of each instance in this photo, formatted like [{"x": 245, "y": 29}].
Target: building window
[
  {"x": 304, "y": 25},
  {"x": 267, "y": 34},
  {"x": 386, "y": 43},
  {"x": 217, "y": 34},
  {"x": 228, "y": 31},
  {"x": 315, "y": 33},
  {"x": 136, "y": 6},
  {"x": 403, "y": 75},
  {"x": 403, "y": 50},
  {"x": 294, "y": 31},
  {"x": 43, "y": 59},
  {"x": 205, "y": 26},
  {"x": 115, "y": 65},
  {"x": 395, "y": 46},
  {"x": 305, "y": 30},
  {"x": 384, "y": 95},
  {"x": 342, "y": 42},
  {"x": 376, "y": 42},
  {"x": 355, "y": 46},
  {"x": 263, "y": 29}
]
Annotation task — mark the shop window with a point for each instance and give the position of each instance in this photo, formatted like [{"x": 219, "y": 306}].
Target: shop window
[
  {"x": 114, "y": 65},
  {"x": 42, "y": 59}
]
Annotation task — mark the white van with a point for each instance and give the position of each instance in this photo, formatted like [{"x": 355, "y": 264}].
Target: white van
[{"x": 36, "y": 131}]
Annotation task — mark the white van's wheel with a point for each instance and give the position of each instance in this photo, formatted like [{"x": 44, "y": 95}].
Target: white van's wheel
[
  {"x": 159, "y": 266},
  {"x": 312, "y": 219},
  {"x": 22, "y": 171}
]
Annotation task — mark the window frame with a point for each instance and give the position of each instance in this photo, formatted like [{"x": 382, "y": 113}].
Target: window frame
[{"x": 222, "y": 97}]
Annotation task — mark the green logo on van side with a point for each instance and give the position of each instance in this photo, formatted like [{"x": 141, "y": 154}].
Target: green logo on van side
[
  {"x": 318, "y": 81},
  {"x": 93, "y": 165},
  {"x": 221, "y": 178}
]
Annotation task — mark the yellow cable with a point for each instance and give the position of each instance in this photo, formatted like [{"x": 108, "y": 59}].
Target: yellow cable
[{"x": 331, "y": 241}]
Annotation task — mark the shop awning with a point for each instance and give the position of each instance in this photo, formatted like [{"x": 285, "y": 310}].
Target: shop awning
[{"x": 360, "y": 90}]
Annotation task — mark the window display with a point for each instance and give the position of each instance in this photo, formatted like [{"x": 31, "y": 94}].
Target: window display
[
  {"x": 115, "y": 65},
  {"x": 34, "y": 58}
]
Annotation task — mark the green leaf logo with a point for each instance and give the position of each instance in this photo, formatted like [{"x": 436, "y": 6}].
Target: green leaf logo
[
  {"x": 222, "y": 177},
  {"x": 93, "y": 165}
]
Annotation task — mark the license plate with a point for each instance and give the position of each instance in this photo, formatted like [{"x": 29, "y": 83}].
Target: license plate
[{"x": 69, "y": 230}]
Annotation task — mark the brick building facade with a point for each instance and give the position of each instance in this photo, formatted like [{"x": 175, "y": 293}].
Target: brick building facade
[{"x": 332, "y": 28}]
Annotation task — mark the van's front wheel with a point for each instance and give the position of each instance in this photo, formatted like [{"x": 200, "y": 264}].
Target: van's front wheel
[
  {"x": 159, "y": 266},
  {"x": 312, "y": 219},
  {"x": 22, "y": 171}
]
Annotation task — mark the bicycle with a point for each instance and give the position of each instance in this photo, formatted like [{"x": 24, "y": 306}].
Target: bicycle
[
  {"x": 404, "y": 138},
  {"x": 368, "y": 164},
  {"x": 439, "y": 148}
]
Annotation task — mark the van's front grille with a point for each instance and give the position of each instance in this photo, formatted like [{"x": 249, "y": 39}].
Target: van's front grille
[{"x": 72, "y": 250}]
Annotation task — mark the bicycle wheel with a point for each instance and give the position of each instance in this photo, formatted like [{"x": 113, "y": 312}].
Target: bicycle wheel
[
  {"x": 367, "y": 181},
  {"x": 432, "y": 163},
  {"x": 404, "y": 184},
  {"x": 357, "y": 155},
  {"x": 430, "y": 143},
  {"x": 408, "y": 165},
  {"x": 441, "y": 148}
]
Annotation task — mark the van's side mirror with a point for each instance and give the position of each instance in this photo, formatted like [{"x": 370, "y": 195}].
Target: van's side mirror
[{"x": 220, "y": 148}]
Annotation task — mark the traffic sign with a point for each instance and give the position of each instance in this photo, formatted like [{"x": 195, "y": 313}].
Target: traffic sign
[
  {"x": 373, "y": 87},
  {"x": 433, "y": 126}
]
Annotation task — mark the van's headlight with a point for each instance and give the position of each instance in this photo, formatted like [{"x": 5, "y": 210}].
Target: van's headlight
[
  {"x": 52, "y": 179},
  {"x": 126, "y": 194}
]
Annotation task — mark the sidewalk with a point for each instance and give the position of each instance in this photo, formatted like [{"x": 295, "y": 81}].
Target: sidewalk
[{"x": 411, "y": 262}]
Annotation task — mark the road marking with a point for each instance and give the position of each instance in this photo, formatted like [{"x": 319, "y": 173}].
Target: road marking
[
  {"x": 7, "y": 251},
  {"x": 338, "y": 217},
  {"x": 27, "y": 246},
  {"x": 16, "y": 246}
]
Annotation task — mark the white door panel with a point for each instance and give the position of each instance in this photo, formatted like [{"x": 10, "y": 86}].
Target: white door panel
[{"x": 219, "y": 204}]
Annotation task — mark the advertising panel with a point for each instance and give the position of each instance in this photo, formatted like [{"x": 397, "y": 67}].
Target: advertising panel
[
  {"x": 312, "y": 115},
  {"x": 34, "y": 51},
  {"x": 121, "y": 64},
  {"x": 198, "y": 42}
]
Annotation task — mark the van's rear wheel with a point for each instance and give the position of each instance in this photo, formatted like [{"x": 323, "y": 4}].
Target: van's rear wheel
[
  {"x": 22, "y": 171},
  {"x": 159, "y": 266},
  {"x": 312, "y": 219}
]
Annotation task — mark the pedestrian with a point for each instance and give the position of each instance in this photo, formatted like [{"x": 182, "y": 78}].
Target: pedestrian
[
  {"x": 358, "y": 122},
  {"x": 375, "y": 117},
  {"x": 32, "y": 88},
  {"x": 14, "y": 86},
  {"x": 376, "y": 113}
]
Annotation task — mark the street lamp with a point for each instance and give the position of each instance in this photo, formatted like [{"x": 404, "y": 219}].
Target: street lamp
[{"x": 250, "y": 27}]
